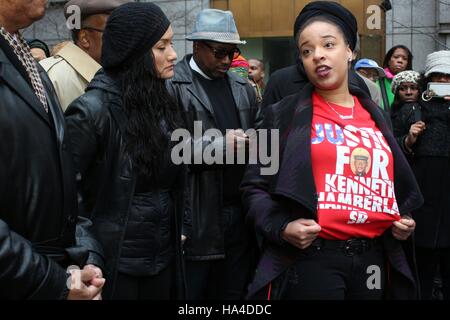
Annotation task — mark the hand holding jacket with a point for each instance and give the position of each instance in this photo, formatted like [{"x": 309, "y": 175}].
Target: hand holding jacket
[
  {"x": 301, "y": 232},
  {"x": 403, "y": 229}
]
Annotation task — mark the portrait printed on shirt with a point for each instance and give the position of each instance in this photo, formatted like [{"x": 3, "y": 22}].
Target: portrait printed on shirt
[
  {"x": 360, "y": 162},
  {"x": 353, "y": 169}
]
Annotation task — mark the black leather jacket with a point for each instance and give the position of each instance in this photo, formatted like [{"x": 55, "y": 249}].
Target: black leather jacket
[
  {"x": 435, "y": 140},
  {"x": 207, "y": 239},
  {"x": 38, "y": 206},
  {"x": 96, "y": 123}
]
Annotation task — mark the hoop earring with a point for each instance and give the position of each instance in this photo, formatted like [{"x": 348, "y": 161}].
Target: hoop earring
[{"x": 426, "y": 97}]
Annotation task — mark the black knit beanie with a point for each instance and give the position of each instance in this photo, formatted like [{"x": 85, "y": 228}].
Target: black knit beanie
[
  {"x": 334, "y": 12},
  {"x": 131, "y": 31}
]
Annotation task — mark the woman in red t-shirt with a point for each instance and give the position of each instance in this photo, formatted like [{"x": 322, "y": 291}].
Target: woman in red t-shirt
[{"x": 332, "y": 221}]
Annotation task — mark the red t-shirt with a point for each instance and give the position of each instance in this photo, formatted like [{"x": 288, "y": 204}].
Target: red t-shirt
[{"x": 353, "y": 172}]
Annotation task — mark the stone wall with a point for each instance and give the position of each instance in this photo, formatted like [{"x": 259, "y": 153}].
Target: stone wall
[
  {"x": 423, "y": 26},
  {"x": 181, "y": 13}
]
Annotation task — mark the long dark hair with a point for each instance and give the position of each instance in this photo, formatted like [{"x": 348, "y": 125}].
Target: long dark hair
[
  {"x": 151, "y": 111},
  {"x": 389, "y": 54}
]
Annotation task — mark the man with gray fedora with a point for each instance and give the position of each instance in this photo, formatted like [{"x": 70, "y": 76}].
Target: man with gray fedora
[
  {"x": 76, "y": 63},
  {"x": 218, "y": 250}
]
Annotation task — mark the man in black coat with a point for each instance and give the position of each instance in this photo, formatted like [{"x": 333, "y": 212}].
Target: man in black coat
[
  {"x": 218, "y": 250},
  {"x": 38, "y": 205}
]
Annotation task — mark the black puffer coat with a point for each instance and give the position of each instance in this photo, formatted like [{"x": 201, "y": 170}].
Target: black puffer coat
[{"x": 96, "y": 125}]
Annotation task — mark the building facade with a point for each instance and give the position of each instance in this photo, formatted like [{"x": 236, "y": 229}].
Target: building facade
[
  {"x": 266, "y": 25},
  {"x": 52, "y": 28},
  {"x": 421, "y": 25}
]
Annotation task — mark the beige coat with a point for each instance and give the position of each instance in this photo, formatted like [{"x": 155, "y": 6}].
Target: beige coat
[{"x": 70, "y": 71}]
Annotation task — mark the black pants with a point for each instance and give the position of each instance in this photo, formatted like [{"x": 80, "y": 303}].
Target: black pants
[
  {"x": 428, "y": 261},
  {"x": 333, "y": 274},
  {"x": 158, "y": 287},
  {"x": 224, "y": 279}
]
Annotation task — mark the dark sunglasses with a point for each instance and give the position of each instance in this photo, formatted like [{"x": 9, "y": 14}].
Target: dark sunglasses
[{"x": 220, "y": 54}]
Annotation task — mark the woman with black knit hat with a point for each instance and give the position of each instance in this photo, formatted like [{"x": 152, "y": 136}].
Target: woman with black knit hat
[
  {"x": 119, "y": 132},
  {"x": 326, "y": 230}
]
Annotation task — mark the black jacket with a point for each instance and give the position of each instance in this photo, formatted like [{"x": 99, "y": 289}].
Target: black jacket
[
  {"x": 292, "y": 79},
  {"x": 38, "y": 206},
  {"x": 435, "y": 140},
  {"x": 430, "y": 161},
  {"x": 273, "y": 201},
  {"x": 207, "y": 239},
  {"x": 96, "y": 124},
  {"x": 283, "y": 83}
]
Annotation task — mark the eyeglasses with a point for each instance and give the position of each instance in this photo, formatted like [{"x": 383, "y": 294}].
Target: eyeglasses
[
  {"x": 220, "y": 54},
  {"x": 369, "y": 73},
  {"x": 94, "y": 29}
]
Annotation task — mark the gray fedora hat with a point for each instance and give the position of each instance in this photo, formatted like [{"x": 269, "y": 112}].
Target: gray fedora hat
[{"x": 215, "y": 25}]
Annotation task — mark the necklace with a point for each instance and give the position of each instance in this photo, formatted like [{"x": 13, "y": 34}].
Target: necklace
[{"x": 348, "y": 117}]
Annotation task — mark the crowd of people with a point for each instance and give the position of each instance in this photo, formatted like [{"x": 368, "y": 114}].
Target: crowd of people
[{"x": 92, "y": 205}]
